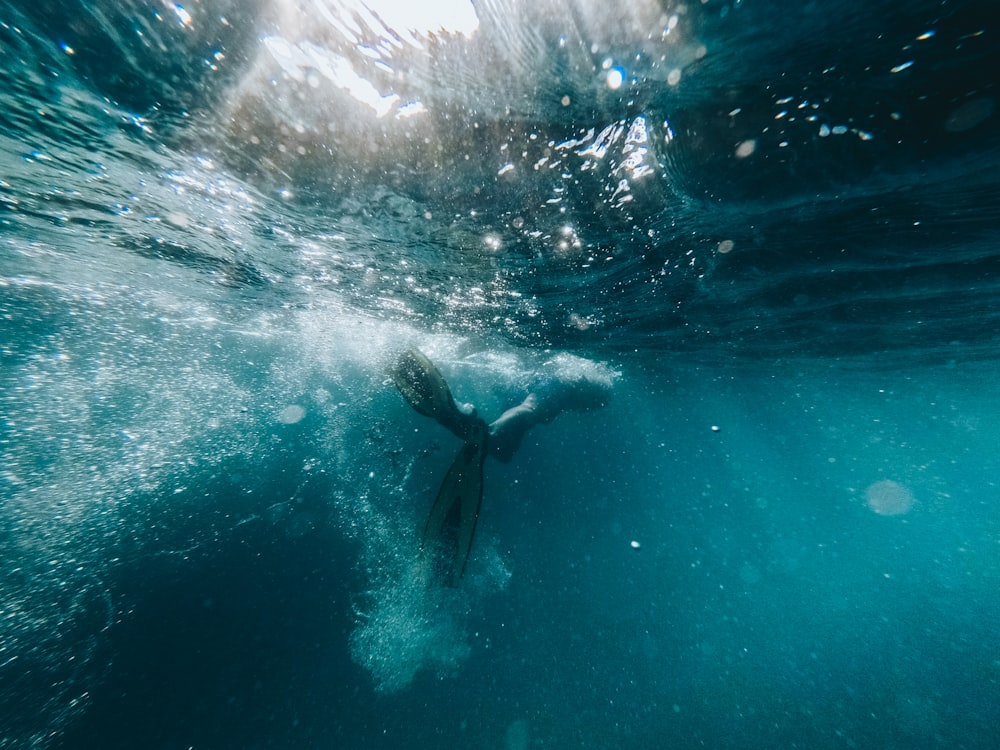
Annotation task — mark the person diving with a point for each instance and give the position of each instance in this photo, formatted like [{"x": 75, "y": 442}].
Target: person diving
[{"x": 564, "y": 382}]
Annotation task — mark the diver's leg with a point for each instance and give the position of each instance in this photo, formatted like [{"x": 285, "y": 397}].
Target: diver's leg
[
  {"x": 509, "y": 429},
  {"x": 425, "y": 389},
  {"x": 551, "y": 395}
]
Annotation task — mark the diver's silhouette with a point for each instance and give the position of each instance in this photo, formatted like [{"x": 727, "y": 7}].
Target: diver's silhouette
[{"x": 456, "y": 509}]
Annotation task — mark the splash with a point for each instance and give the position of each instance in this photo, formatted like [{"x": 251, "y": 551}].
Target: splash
[
  {"x": 411, "y": 626},
  {"x": 408, "y": 622}
]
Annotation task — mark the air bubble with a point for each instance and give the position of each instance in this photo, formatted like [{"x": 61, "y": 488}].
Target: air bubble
[
  {"x": 888, "y": 498},
  {"x": 291, "y": 414}
]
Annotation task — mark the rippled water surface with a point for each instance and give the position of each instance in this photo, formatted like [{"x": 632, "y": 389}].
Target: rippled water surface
[{"x": 778, "y": 223}]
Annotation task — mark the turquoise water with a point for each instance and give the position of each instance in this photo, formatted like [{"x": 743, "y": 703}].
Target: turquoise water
[{"x": 219, "y": 224}]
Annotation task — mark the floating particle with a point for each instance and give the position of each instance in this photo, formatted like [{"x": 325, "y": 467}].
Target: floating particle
[{"x": 749, "y": 574}]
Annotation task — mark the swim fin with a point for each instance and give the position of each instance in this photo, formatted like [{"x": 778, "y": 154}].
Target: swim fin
[
  {"x": 453, "y": 517},
  {"x": 425, "y": 389}
]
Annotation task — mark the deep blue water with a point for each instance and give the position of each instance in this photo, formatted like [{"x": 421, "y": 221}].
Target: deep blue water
[{"x": 778, "y": 222}]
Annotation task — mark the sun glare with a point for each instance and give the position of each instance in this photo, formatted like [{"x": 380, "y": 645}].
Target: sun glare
[{"x": 430, "y": 16}]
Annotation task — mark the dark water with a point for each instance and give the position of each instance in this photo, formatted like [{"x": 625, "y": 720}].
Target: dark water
[{"x": 779, "y": 222}]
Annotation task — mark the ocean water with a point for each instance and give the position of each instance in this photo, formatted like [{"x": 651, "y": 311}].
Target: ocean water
[{"x": 778, "y": 222}]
